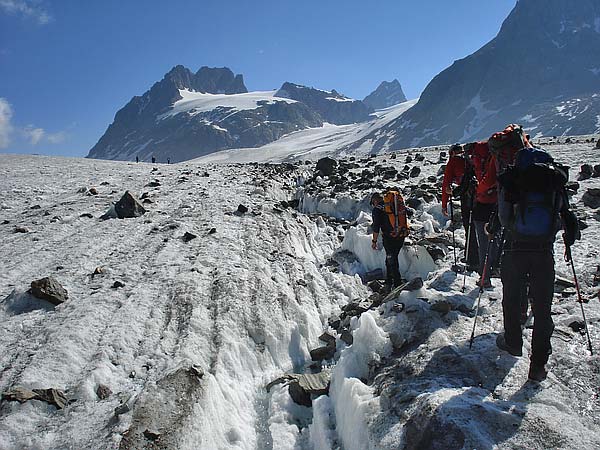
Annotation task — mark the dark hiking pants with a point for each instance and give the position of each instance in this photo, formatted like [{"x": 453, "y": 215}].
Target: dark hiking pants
[
  {"x": 517, "y": 265},
  {"x": 392, "y": 248},
  {"x": 472, "y": 259}
]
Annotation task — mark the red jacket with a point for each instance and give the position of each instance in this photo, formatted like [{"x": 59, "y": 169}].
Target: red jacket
[
  {"x": 455, "y": 170},
  {"x": 484, "y": 165}
]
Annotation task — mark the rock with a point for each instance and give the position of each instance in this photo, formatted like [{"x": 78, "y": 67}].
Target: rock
[
  {"x": 19, "y": 229},
  {"x": 598, "y": 144},
  {"x": 299, "y": 395},
  {"x": 414, "y": 202},
  {"x": 577, "y": 325},
  {"x": 442, "y": 306},
  {"x": 591, "y": 198},
  {"x": 5, "y": 222},
  {"x": 242, "y": 209},
  {"x": 419, "y": 157},
  {"x": 397, "y": 340},
  {"x": 585, "y": 172},
  {"x": 596, "y": 173},
  {"x": 375, "y": 285},
  {"x": 408, "y": 159},
  {"x": 118, "y": 284},
  {"x": 187, "y": 237},
  {"x": 151, "y": 435},
  {"x": 347, "y": 337},
  {"x": 50, "y": 290},
  {"x": 129, "y": 207},
  {"x": 212, "y": 231},
  {"x": 572, "y": 187},
  {"x": 327, "y": 338},
  {"x": 92, "y": 191},
  {"x": 322, "y": 353},
  {"x": 435, "y": 252},
  {"x": 97, "y": 271},
  {"x": 326, "y": 166},
  {"x": 563, "y": 282},
  {"x": 103, "y": 392},
  {"x": 52, "y": 396},
  {"x": 154, "y": 183},
  {"x": 415, "y": 172},
  {"x": 19, "y": 394},
  {"x": 87, "y": 216},
  {"x": 376, "y": 274},
  {"x": 147, "y": 201}
]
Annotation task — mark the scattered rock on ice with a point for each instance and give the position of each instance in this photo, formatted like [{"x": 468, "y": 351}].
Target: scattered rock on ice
[
  {"x": 118, "y": 284},
  {"x": 19, "y": 229},
  {"x": 49, "y": 289},
  {"x": 103, "y": 392},
  {"x": 585, "y": 172},
  {"x": 326, "y": 166},
  {"x": 322, "y": 353},
  {"x": 242, "y": 209},
  {"x": 591, "y": 198},
  {"x": 128, "y": 207},
  {"x": 52, "y": 396},
  {"x": 187, "y": 237}
]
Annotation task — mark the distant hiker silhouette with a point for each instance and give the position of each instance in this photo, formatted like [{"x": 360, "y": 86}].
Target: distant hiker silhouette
[{"x": 153, "y": 160}]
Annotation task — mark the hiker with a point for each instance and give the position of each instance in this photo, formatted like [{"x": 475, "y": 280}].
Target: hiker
[
  {"x": 531, "y": 204},
  {"x": 458, "y": 165},
  {"x": 137, "y": 159},
  {"x": 486, "y": 198},
  {"x": 393, "y": 228},
  {"x": 153, "y": 160}
]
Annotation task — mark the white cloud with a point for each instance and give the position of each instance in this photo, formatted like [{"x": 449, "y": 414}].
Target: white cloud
[
  {"x": 27, "y": 8},
  {"x": 5, "y": 125},
  {"x": 57, "y": 138},
  {"x": 33, "y": 135}
]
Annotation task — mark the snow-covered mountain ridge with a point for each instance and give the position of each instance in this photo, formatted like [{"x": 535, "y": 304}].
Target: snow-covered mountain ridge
[{"x": 199, "y": 328}]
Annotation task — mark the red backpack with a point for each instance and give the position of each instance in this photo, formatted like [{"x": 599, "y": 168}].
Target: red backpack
[{"x": 505, "y": 144}]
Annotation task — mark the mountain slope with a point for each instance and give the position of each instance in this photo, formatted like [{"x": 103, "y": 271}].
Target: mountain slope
[
  {"x": 167, "y": 123},
  {"x": 544, "y": 55}
]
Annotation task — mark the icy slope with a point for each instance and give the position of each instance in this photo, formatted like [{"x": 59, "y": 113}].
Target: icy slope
[
  {"x": 244, "y": 304},
  {"x": 313, "y": 142}
]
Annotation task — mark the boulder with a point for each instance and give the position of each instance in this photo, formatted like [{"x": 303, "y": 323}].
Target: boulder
[
  {"x": 591, "y": 198},
  {"x": 326, "y": 166},
  {"x": 415, "y": 172},
  {"x": 585, "y": 172},
  {"x": 242, "y": 209},
  {"x": 50, "y": 290},
  {"x": 128, "y": 207},
  {"x": 322, "y": 353},
  {"x": 187, "y": 237}
]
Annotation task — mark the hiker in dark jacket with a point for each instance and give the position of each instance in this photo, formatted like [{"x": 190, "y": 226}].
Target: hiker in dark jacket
[
  {"x": 528, "y": 259},
  {"x": 392, "y": 245}
]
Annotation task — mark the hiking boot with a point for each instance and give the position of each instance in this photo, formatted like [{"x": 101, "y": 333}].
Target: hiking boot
[
  {"x": 502, "y": 345},
  {"x": 537, "y": 372}
]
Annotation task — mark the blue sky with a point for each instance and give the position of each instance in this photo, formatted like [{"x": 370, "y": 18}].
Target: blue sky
[{"x": 67, "y": 66}]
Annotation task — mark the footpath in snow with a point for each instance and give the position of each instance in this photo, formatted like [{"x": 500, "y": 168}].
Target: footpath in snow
[{"x": 184, "y": 346}]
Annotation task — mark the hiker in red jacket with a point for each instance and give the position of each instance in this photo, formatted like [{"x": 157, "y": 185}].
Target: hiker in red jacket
[
  {"x": 486, "y": 199},
  {"x": 454, "y": 174}
]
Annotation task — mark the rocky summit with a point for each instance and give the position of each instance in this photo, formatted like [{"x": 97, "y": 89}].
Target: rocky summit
[{"x": 388, "y": 93}]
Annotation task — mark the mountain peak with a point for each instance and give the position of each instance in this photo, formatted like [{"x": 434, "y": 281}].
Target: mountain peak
[{"x": 387, "y": 94}]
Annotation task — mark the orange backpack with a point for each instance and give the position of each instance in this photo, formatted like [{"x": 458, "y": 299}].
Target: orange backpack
[{"x": 394, "y": 207}]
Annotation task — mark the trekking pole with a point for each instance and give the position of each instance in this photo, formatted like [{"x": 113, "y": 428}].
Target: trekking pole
[
  {"x": 467, "y": 248},
  {"x": 569, "y": 258},
  {"x": 482, "y": 282},
  {"x": 453, "y": 237}
]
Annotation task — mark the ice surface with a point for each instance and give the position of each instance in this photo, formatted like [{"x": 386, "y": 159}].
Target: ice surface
[{"x": 245, "y": 305}]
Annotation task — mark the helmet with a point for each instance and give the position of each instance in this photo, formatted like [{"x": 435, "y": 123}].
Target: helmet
[{"x": 455, "y": 149}]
